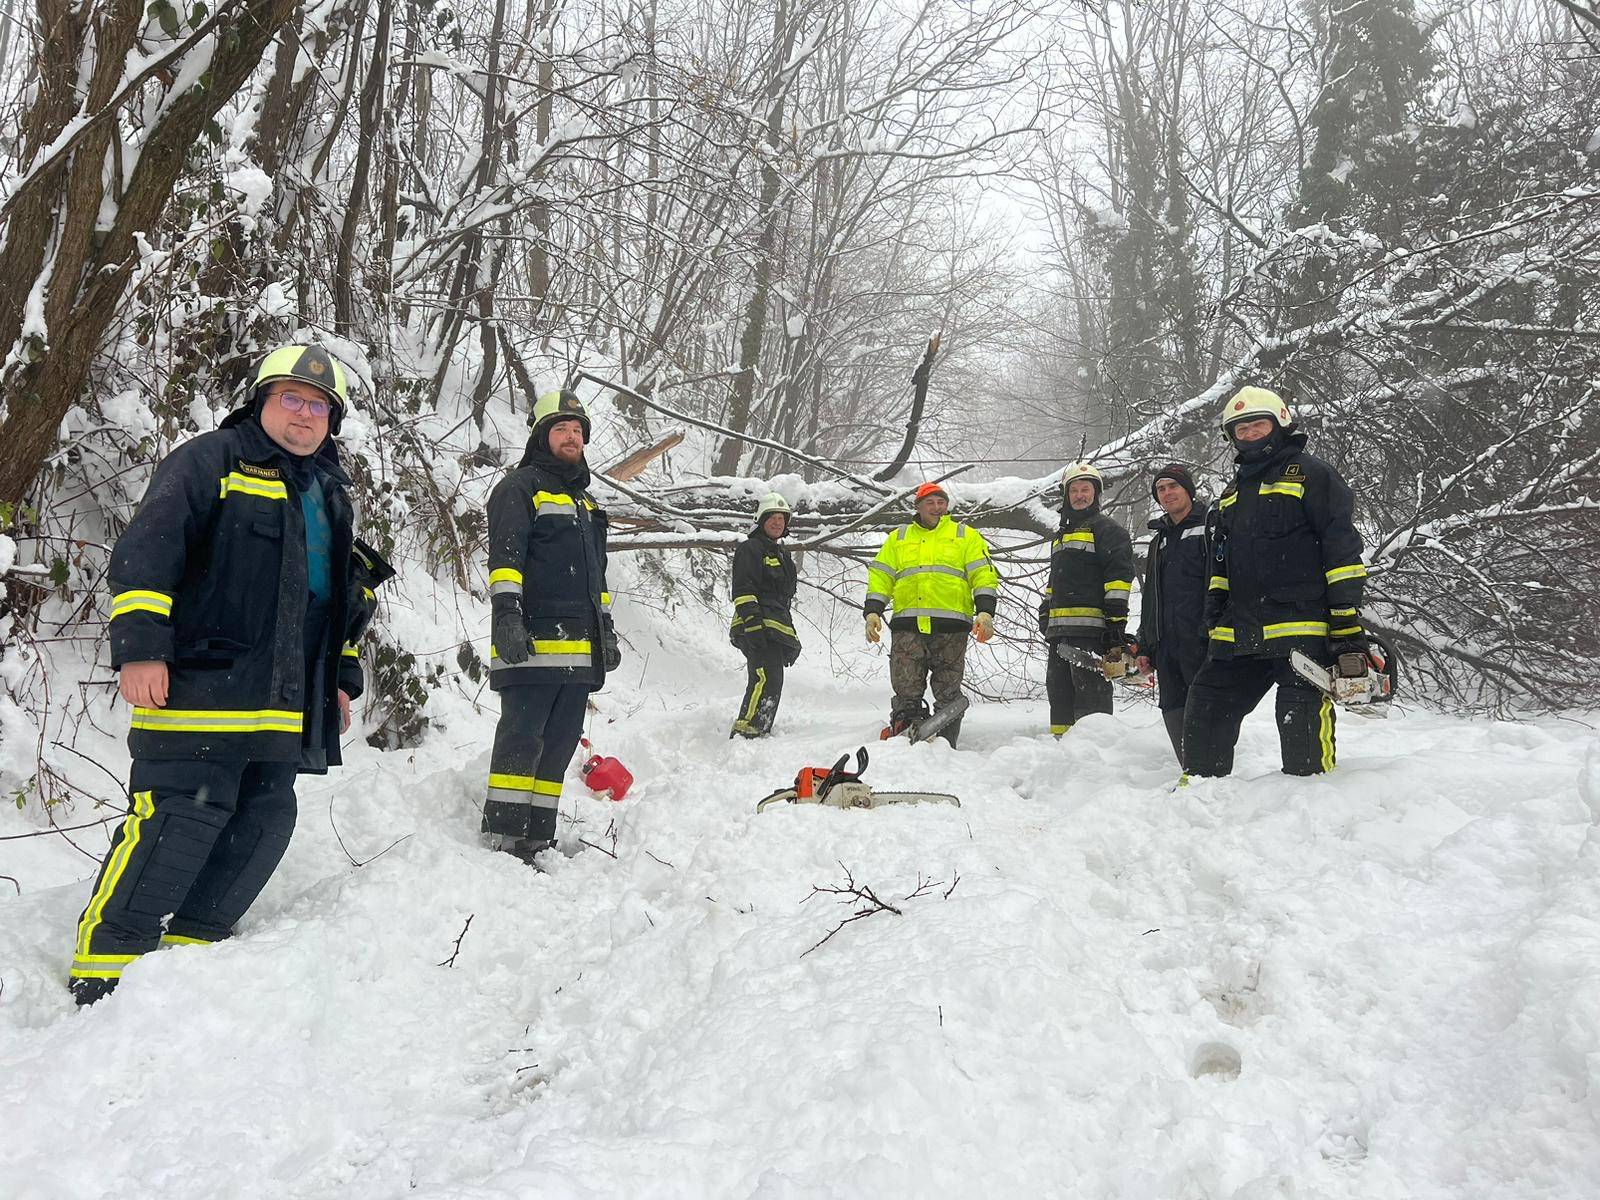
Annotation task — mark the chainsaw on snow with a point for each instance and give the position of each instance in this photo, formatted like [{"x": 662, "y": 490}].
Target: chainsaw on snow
[
  {"x": 836, "y": 787},
  {"x": 1358, "y": 682}
]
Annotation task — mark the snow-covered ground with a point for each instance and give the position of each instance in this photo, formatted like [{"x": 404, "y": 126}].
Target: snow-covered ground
[{"x": 1383, "y": 983}]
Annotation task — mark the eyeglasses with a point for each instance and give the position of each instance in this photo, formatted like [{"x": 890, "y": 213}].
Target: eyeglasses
[{"x": 295, "y": 402}]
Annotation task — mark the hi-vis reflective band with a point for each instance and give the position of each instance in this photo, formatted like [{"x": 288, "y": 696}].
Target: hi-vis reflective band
[
  {"x": 1339, "y": 574},
  {"x": 1218, "y": 583},
  {"x": 1283, "y": 629},
  {"x": 1058, "y": 730},
  {"x": 86, "y": 965},
  {"x": 755, "y": 699},
  {"x": 205, "y": 720},
  {"x": 951, "y": 613},
  {"x": 525, "y": 789},
  {"x": 1117, "y": 587},
  {"x": 350, "y": 651},
  {"x": 1083, "y": 539},
  {"x": 505, "y": 581},
  {"x": 780, "y": 627},
  {"x": 236, "y": 484},
  {"x": 1077, "y": 618},
  {"x": 124, "y": 603},
  {"x": 1230, "y": 498},
  {"x": 738, "y": 600},
  {"x": 179, "y": 939},
  {"x": 1295, "y": 629},
  {"x": 1325, "y": 734},
  {"x": 548, "y": 504},
  {"x": 1284, "y": 487},
  {"x": 605, "y": 601},
  {"x": 933, "y": 569},
  {"x": 547, "y": 653}
]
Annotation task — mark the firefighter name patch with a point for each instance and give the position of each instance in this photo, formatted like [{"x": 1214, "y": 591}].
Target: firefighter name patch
[{"x": 260, "y": 472}]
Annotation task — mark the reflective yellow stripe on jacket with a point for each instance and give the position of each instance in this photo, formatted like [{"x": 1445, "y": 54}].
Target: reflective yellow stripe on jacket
[
  {"x": 933, "y": 573},
  {"x": 221, "y": 720},
  {"x": 139, "y": 600}
]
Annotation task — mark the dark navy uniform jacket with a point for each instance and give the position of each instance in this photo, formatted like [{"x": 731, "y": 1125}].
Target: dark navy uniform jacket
[
  {"x": 1286, "y": 570},
  {"x": 547, "y": 556},
  {"x": 210, "y": 578}
]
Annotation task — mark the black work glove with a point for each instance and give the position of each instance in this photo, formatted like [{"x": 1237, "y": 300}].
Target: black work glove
[
  {"x": 791, "y": 655},
  {"x": 510, "y": 638},
  {"x": 610, "y": 650}
]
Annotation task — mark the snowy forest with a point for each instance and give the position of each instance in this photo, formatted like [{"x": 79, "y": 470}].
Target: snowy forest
[{"x": 832, "y": 248}]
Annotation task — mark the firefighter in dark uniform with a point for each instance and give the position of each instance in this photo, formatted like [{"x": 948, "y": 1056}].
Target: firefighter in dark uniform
[
  {"x": 553, "y": 641},
  {"x": 1172, "y": 600},
  {"x": 235, "y": 609},
  {"x": 1084, "y": 613},
  {"x": 1286, "y": 574},
  {"x": 763, "y": 627}
]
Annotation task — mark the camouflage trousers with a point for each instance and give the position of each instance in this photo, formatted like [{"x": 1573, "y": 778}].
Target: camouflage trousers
[{"x": 914, "y": 658}]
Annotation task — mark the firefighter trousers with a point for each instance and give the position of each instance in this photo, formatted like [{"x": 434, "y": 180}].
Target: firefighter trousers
[
  {"x": 1228, "y": 689},
  {"x": 1076, "y": 688},
  {"x": 539, "y": 728},
  {"x": 199, "y": 843},
  {"x": 763, "y": 690}
]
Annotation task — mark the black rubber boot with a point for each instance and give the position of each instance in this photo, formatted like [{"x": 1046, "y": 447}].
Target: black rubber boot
[
  {"x": 87, "y": 991},
  {"x": 526, "y": 849}
]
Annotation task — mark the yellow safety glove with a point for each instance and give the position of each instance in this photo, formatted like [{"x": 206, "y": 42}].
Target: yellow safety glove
[
  {"x": 983, "y": 626},
  {"x": 874, "y": 627}
]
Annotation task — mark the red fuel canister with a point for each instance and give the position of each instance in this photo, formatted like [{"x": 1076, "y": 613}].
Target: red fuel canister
[{"x": 606, "y": 774}]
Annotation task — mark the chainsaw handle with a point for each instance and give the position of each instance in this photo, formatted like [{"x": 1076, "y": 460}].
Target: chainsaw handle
[{"x": 837, "y": 773}]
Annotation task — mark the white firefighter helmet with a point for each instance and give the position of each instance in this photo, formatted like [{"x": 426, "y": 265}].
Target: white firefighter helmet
[
  {"x": 773, "y": 502},
  {"x": 1083, "y": 470},
  {"x": 1253, "y": 403}
]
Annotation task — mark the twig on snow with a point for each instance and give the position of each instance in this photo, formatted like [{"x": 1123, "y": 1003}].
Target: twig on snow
[{"x": 451, "y": 961}]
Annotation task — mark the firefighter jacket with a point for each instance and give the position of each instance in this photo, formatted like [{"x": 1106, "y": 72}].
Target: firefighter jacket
[
  {"x": 210, "y": 577},
  {"x": 1091, "y": 574},
  {"x": 763, "y": 589},
  {"x": 936, "y": 579},
  {"x": 1286, "y": 571},
  {"x": 547, "y": 561},
  {"x": 1172, "y": 599}
]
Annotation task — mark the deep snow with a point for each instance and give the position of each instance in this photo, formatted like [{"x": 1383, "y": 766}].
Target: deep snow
[{"x": 1383, "y": 983}]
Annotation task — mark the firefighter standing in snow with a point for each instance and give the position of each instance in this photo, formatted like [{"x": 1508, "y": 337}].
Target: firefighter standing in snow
[
  {"x": 936, "y": 574},
  {"x": 763, "y": 627},
  {"x": 1286, "y": 574},
  {"x": 234, "y": 614},
  {"x": 553, "y": 640},
  {"x": 1172, "y": 602},
  {"x": 1084, "y": 613}
]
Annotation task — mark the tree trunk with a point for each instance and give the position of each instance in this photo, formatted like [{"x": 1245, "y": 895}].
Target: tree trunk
[{"x": 52, "y": 243}]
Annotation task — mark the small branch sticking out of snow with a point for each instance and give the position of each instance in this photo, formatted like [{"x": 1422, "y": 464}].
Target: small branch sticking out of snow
[{"x": 451, "y": 961}]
